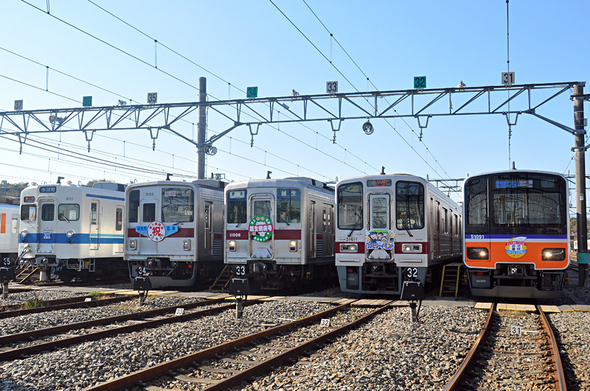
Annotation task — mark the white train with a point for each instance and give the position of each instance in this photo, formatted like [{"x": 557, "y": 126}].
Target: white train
[
  {"x": 279, "y": 232},
  {"x": 73, "y": 231},
  {"x": 392, "y": 228},
  {"x": 174, "y": 231},
  {"x": 9, "y": 211}
]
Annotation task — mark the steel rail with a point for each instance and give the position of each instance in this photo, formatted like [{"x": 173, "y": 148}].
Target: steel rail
[
  {"x": 160, "y": 369},
  {"x": 79, "y": 303},
  {"x": 10, "y": 338},
  {"x": 15, "y": 353},
  {"x": 280, "y": 359},
  {"x": 561, "y": 383},
  {"x": 455, "y": 380},
  {"x": 74, "y": 299}
]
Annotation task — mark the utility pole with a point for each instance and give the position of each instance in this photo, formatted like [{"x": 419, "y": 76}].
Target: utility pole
[
  {"x": 583, "y": 255},
  {"x": 202, "y": 127}
]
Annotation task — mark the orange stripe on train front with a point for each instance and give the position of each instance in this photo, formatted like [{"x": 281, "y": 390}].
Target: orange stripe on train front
[{"x": 517, "y": 250}]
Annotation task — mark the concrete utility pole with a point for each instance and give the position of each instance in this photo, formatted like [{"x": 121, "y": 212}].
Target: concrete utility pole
[
  {"x": 202, "y": 127},
  {"x": 583, "y": 256}
]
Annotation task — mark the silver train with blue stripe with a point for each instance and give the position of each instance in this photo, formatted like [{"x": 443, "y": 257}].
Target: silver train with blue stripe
[{"x": 73, "y": 232}]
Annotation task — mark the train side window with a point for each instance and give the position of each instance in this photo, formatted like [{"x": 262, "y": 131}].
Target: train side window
[
  {"x": 119, "y": 219},
  {"x": 133, "y": 206},
  {"x": 409, "y": 205},
  {"x": 207, "y": 216},
  {"x": 47, "y": 212},
  {"x": 444, "y": 221},
  {"x": 288, "y": 206},
  {"x": 93, "y": 213},
  {"x": 149, "y": 212},
  {"x": 28, "y": 213},
  {"x": 68, "y": 212},
  {"x": 350, "y": 206}
]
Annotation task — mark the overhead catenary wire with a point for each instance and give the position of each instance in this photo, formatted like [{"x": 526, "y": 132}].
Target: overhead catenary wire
[
  {"x": 368, "y": 80},
  {"x": 230, "y": 85},
  {"x": 146, "y": 63}
]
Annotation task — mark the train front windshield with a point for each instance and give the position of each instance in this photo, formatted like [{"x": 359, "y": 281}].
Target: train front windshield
[
  {"x": 532, "y": 203},
  {"x": 178, "y": 205},
  {"x": 350, "y": 206}
]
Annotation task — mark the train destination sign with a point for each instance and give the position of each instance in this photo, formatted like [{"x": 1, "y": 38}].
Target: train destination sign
[
  {"x": 513, "y": 184},
  {"x": 379, "y": 183}
]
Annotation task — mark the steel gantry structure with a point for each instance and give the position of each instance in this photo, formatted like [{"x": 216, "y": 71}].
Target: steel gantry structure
[{"x": 422, "y": 104}]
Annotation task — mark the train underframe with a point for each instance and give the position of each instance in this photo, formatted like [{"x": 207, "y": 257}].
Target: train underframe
[
  {"x": 516, "y": 281},
  {"x": 379, "y": 277},
  {"x": 86, "y": 269},
  {"x": 163, "y": 272},
  {"x": 269, "y": 277}
]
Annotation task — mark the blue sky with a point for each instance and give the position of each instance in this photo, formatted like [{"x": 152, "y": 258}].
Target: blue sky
[{"x": 238, "y": 44}]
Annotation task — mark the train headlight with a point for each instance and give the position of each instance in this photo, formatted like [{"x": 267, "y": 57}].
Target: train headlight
[
  {"x": 553, "y": 254},
  {"x": 231, "y": 245},
  {"x": 132, "y": 244},
  {"x": 478, "y": 253},
  {"x": 292, "y": 245},
  {"x": 412, "y": 248},
  {"x": 186, "y": 245},
  {"x": 24, "y": 233},
  {"x": 70, "y": 234},
  {"x": 349, "y": 247}
]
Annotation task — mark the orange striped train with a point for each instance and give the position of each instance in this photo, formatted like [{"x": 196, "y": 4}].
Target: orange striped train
[{"x": 516, "y": 226}]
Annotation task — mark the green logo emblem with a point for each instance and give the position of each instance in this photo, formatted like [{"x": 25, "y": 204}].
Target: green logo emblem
[{"x": 260, "y": 228}]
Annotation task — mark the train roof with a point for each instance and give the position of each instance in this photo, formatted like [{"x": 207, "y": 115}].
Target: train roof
[
  {"x": 98, "y": 190},
  {"x": 205, "y": 183},
  {"x": 9, "y": 200},
  {"x": 518, "y": 171},
  {"x": 282, "y": 182},
  {"x": 381, "y": 176}
]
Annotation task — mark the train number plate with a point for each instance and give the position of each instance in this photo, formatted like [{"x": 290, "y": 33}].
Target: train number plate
[{"x": 516, "y": 330}]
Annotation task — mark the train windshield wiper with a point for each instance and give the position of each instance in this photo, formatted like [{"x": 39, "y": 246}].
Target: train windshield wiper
[{"x": 355, "y": 224}]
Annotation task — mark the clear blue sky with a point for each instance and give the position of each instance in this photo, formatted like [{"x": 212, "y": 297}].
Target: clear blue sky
[{"x": 251, "y": 43}]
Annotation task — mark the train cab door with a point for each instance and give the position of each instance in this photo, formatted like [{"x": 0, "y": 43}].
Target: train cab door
[
  {"x": 208, "y": 228},
  {"x": 312, "y": 231},
  {"x": 47, "y": 226},
  {"x": 379, "y": 247},
  {"x": 327, "y": 233},
  {"x": 261, "y": 242},
  {"x": 94, "y": 225}
]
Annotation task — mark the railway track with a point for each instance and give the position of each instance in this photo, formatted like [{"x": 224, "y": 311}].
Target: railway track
[
  {"x": 228, "y": 364},
  {"x": 515, "y": 350},
  {"x": 61, "y": 304},
  {"x": 136, "y": 321}
]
